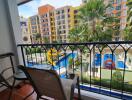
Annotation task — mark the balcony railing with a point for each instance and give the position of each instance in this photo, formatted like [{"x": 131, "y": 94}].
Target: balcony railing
[{"x": 103, "y": 67}]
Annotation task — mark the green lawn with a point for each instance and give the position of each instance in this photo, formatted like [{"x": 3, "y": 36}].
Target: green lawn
[{"x": 106, "y": 74}]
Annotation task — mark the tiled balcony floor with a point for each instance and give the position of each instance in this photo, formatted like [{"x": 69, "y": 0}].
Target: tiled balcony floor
[
  {"x": 18, "y": 93},
  {"x": 22, "y": 91}
]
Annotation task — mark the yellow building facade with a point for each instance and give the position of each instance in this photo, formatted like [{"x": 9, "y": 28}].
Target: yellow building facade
[{"x": 33, "y": 28}]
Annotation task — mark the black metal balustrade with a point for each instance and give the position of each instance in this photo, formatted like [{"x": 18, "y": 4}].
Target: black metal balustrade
[{"x": 103, "y": 67}]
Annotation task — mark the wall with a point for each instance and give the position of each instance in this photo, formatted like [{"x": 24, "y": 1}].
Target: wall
[{"x": 10, "y": 34}]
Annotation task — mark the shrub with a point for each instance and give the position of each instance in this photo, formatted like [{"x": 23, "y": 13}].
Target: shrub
[
  {"x": 116, "y": 83},
  {"x": 70, "y": 62},
  {"x": 117, "y": 76},
  {"x": 33, "y": 50}
]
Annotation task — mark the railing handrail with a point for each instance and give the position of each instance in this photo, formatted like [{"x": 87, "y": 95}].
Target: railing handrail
[
  {"x": 79, "y": 43},
  {"x": 91, "y": 61}
]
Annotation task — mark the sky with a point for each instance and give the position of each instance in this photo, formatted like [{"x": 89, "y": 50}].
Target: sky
[{"x": 31, "y": 8}]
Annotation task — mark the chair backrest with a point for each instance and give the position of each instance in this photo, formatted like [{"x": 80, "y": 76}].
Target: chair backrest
[
  {"x": 7, "y": 62},
  {"x": 45, "y": 82}
]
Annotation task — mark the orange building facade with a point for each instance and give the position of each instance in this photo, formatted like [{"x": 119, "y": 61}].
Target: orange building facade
[
  {"x": 119, "y": 9},
  {"x": 45, "y": 22}
]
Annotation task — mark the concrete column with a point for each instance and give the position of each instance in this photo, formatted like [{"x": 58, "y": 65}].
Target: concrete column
[{"x": 14, "y": 23}]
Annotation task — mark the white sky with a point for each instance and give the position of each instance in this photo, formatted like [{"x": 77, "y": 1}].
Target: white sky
[{"x": 31, "y": 8}]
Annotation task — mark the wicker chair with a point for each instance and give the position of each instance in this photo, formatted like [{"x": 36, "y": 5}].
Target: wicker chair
[
  {"x": 47, "y": 84},
  {"x": 17, "y": 75}
]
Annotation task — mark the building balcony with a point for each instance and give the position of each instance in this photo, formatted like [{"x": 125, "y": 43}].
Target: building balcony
[{"x": 103, "y": 67}]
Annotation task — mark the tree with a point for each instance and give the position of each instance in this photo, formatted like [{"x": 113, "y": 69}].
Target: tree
[
  {"x": 94, "y": 24},
  {"x": 46, "y": 40},
  {"x": 77, "y": 34},
  {"x": 128, "y": 34},
  {"x": 70, "y": 62},
  {"x": 129, "y": 12},
  {"x": 37, "y": 37},
  {"x": 128, "y": 30},
  {"x": 90, "y": 27}
]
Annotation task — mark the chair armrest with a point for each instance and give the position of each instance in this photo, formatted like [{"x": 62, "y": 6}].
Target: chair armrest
[{"x": 5, "y": 70}]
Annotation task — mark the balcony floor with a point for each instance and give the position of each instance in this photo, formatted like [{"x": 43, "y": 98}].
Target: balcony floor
[{"x": 23, "y": 90}]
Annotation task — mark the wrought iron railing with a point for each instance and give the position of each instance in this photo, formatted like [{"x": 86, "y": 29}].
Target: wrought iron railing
[{"x": 103, "y": 67}]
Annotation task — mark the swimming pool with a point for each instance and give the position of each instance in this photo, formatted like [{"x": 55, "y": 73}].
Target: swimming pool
[{"x": 63, "y": 62}]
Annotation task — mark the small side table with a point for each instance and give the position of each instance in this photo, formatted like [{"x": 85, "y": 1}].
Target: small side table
[{"x": 76, "y": 83}]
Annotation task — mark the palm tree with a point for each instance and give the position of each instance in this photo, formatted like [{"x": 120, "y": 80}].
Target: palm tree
[
  {"x": 91, "y": 15},
  {"x": 128, "y": 34},
  {"x": 92, "y": 11},
  {"x": 129, "y": 12},
  {"x": 128, "y": 30}
]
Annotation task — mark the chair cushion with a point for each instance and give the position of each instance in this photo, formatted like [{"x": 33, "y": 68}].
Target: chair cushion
[
  {"x": 20, "y": 76},
  {"x": 67, "y": 83}
]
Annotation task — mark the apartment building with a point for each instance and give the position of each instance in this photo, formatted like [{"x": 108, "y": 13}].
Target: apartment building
[
  {"x": 52, "y": 26},
  {"x": 47, "y": 23},
  {"x": 75, "y": 13},
  {"x": 24, "y": 30},
  {"x": 34, "y": 28},
  {"x": 120, "y": 10},
  {"x": 64, "y": 22},
  {"x": 84, "y": 1}
]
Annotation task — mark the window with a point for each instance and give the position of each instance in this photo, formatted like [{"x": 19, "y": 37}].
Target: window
[
  {"x": 63, "y": 16},
  {"x": 52, "y": 28},
  {"x": 58, "y": 22},
  {"x": 59, "y": 32},
  {"x": 63, "y": 22},
  {"x": 58, "y": 12},
  {"x": 68, "y": 10},
  {"x": 118, "y": 7},
  {"x": 64, "y": 26},
  {"x": 64, "y": 36},
  {"x": 45, "y": 15},
  {"x": 64, "y": 31},
  {"x": 58, "y": 17},
  {"x": 75, "y": 21},
  {"x": 47, "y": 33},
  {"x": 59, "y": 27},
  {"x": 75, "y": 11},
  {"x": 51, "y": 14},
  {"x": 62, "y": 11}
]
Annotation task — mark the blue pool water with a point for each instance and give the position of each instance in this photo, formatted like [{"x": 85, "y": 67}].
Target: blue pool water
[
  {"x": 61, "y": 63},
  {"x": 64, "y": 61}
]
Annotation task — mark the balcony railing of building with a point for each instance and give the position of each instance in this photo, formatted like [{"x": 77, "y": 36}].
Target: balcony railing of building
[{"x": 103, "y": 67}]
